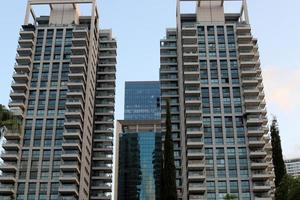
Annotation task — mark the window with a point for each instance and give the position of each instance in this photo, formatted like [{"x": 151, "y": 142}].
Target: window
[{"x": 222, "y": 186}]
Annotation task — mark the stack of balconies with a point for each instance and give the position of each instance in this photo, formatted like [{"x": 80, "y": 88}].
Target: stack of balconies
[
  {"x": 102, "y": 157},
  {"x": 74, "y": 115},
  {"x": 22, "y": 69},
  {"x": 256, "y": 120},
  {"x": 169, "y": 84},
  {"x": 10, "y": 159},
  {"x": 193, "y": 113}
]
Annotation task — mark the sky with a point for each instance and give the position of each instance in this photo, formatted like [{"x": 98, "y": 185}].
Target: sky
[{"x": 138, "y": 26}]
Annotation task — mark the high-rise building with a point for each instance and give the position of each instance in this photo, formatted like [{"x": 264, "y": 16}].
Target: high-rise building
[
  {"x": 138, "y": 154},
  {"x": 63, "y": 94},
  {"x": 139, "y": 160},
  {"x": 293, "y": 167},
  {"x": 210, "y": 72},
  {"x": 142, "y": 100}
]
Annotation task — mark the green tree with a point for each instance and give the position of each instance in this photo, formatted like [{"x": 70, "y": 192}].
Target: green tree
[
  {"x": 8, "y": 120},
  {"x": 230, "y": 197},
  {"x": 169, "y": 171},
  {"x": 288, "y": 189},
  {"x": 278, "y": 162}
]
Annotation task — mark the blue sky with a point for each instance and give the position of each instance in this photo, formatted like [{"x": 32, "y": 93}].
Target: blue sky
[{"x": 139, "y": 25}]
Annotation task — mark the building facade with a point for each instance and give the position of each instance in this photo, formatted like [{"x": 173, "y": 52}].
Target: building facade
[
  {"x": 138, "y": 143},
  {"x": 142, "y": 100},
  {"x": 293, "y": 167},
  {"x": 210, "y": 72},
  {"x": 63, "y": 93},
  {"x": 139, "y": 160}
]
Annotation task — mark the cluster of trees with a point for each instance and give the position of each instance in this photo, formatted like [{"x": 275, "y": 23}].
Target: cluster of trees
[
  {"x": 287, "y": 187},
  {"x": 8, "y": 120}
]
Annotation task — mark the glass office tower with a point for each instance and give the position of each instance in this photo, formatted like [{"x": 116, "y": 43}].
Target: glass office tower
[
  {"x": 138, "y": 143},
  {"x": 142, "y": 100},
  {"x": 63, "y": 64},
  {"x": 139, "y": 160},
  {"x": 210, "y": 72}
]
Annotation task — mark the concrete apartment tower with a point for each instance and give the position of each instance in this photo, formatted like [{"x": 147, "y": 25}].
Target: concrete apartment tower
[
  {"x": 293, "y": 167},
  {"x": 210, "y": 71},
  {"x": 63, "y": 93}
]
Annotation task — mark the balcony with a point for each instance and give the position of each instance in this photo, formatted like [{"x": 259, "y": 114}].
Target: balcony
[
  {"x": 80, "y": 32},
  {"x": 196, "y": 176},
  {"x": 74, "y": 113},
  {"x": 27, "y": 34},
  {"x": 261, "y": 188},
  {"x": 69, "y": 178},
  {"x": 78, "y": 67},
  {"x": 70, "y": 166},
  {"x": 196, "y": 164},
  {"x": 18, "y": 95},
  {"x": 78, "y": 59},
  {"x": 22, "y": 68},
  {"x": 7, "y": 189},
  {"x": 16, "y": 103},
  {"x": 258, "y": 154},
  {"x": 256, "y": 143},
  {"x": 8, "y": 145},
  {"x": 74, "y": 124},
  {"x": 25, "y": 43},
  {"x": 21, "y": 77},
  {"x": 194, "y": 133},
  {"x": 251, "y": 91},
  {"x": 77, "y": 76},
  {"x": 68, "y": 189},
  {"x": 24, "y": 51},
  {"x": 247, "y": 63},
  {"x": 243, "y": 29},
  {"x": 103, "y": 167},
  {"x": 79, "y": 50},
  {"x": 252, "y": 101},
  {"x": 254, "y": 121},
  {"x": 197, "y": 188},
  {"x": 245, "y": 47},
  {"x": 74, "y": 103},
  {"x": 190, "y": 54},
  {"x": 263, "y": 198},
  {"x": 253, "y": 110},
  {"x": 8, "y": 156},
  {"x": 189, "y": 39},
  {"x": 248, "y": 72},
  {"x": 195, "y": 153},
  {"x": 191, "y": 63},
  {"x": 23, "y": 60},
  {"x": 19, "y": 86},
  {"x": 195, "y": 142},
  {"x": 259, "y": 165},
  {"x": 247, "y": 38},
  {"x": 246, "y": 54},
  {"x": 72, "y": 135},
  {"x": 5, "y": 167},
  {"x": 76, "y": 85},
  {"x": 71, "y": 155},
  {"x": 72, "y": 144},
  {"x": 260, "y": 176},
  {"x": 79, "y": 42},
  {"x": 7, "y": 178}
]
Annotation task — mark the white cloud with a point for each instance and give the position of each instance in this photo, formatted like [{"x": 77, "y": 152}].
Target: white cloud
[{"x": 282, "y": 87}]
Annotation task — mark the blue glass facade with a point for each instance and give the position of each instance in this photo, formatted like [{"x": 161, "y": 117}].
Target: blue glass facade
[
  {"x": 139, "y": 166},
  {"x": 142, "y": 100}
]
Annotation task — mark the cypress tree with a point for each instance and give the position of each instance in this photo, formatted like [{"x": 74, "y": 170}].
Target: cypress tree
[
  {"x": 279, "y": 166},
  {"x": 169, "y": 170}
]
